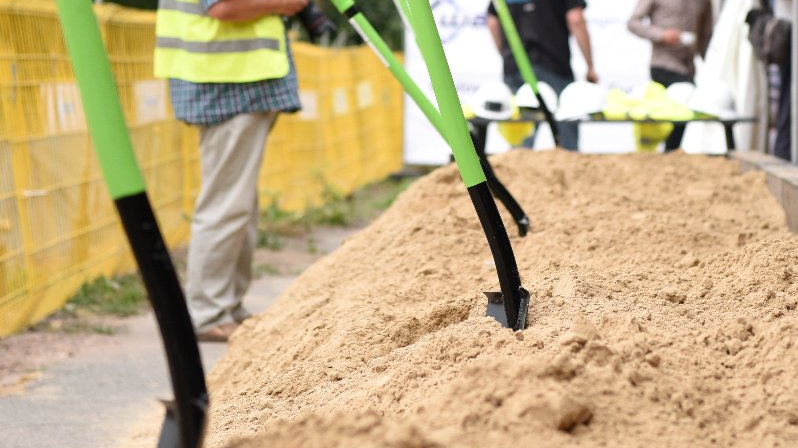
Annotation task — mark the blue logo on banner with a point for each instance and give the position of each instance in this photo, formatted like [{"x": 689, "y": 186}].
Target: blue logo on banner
[{"x": 452, "y": 19}]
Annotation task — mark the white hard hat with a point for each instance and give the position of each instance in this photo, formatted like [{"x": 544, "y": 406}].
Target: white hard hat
[
  {"x": 493, "y": 101},
  {"x": 526, "y": 98},
  {"x": 713, "y": 98},
  {"x": 680, "y": 92},
  {"x": 580, "y": 99}
]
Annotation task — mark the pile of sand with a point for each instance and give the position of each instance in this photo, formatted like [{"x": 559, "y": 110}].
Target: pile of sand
[{"x": 663, "y": 312}]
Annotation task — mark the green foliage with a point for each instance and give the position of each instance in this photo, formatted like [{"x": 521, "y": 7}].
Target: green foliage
[
  {"x": 380, "y": 196},
  {"x": 85, "y": 327},
  {"x": 259, "y": 270},
  {"x": 118, "y": 296},
  {"x": 270, "y": 239},
  {"x": 274, "y": 223},
  {"x": 361, "y": 206},
  {"x": 312, "y": 246},
  {"x": 382, "y": 14},
  {"x": 336, "y": 210}
]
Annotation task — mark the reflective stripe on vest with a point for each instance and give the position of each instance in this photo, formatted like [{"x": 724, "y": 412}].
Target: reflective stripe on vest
[{"x": 194, "y": 47}]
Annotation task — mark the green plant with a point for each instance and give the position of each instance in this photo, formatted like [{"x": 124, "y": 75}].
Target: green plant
[
  {"x": 312, "y": 246},
  {"x": 122, "y": 295},
  {"x": 73, "y": 325},
  {"x": 336, "y": 210},
  {"x": 269, "y": 239},
  {"x": 274, "y": 223},
  {"x": 260, "y": 270},
  {"x": 84, "y": 327},
  {"x": 379, "y": 196},
  {"x": 383, "y": 15}
]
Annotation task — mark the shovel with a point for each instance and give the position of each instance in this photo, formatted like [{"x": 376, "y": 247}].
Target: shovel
[
  {"x": 185, "y": 418},
  {"x": 377, "y": 44},
  {"x": 513, "y": 299},
  {"x": 510, "y": 306},
  {"x": 523, "y": 63}
]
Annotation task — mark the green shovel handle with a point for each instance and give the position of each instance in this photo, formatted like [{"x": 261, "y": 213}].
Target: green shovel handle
[
  {"x": 185, "y": 420},
  {"x": 91, "y": 68},
  {"x": 523, "y": 63},
  {"x": 454, "y": 122},
  {"x": 378, "y": 45},
  {"x": 467, "y": 163},
  {"x": 513, "y": 298},
  {"x": 517, "y": 48}
]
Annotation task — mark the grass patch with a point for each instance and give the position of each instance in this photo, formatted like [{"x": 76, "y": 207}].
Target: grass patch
[
  {"x": 97, "y": 304},
  {"x": 312, "y": 246},
  {"x": 85, "y": 327},
  {"x": 74, "y": 325},
  {"x": 337, "y": 210},
  {"x": 376, "y": 198},
  {"x": 269, "y": 238},
  {"x": 260, "y": 270},
  {"x": 122, "y": 295}
]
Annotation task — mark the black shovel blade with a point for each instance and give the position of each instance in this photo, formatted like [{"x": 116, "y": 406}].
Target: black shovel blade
[
  {"x": 170, "y": 431},
  {"x": 496, "y": 308}
]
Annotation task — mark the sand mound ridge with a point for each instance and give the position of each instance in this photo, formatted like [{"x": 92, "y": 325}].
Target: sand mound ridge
[{"x": 663, "y": 313}]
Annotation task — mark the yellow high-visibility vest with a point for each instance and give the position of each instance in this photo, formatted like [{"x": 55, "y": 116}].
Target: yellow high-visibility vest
[{"x": 194, "y": 47}]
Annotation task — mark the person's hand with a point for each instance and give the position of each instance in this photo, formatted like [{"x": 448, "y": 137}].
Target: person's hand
[
  {"x": 289, "y": 7},
  {"x": 592, "y": 76},
  {"x": 672, "y": 37}
]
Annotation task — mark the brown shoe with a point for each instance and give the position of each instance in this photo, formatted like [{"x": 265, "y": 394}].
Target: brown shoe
[
  {"x": 241, "y": 314},
  {"x": 219, "y": 333}
]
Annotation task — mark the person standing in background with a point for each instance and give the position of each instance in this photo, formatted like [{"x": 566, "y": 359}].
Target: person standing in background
[
  {"x": 545, "y": 27},
  {"x": 782, "y": 9},
  {"x": 230, "y": 73},
  {"x": 679, "y": 30}
]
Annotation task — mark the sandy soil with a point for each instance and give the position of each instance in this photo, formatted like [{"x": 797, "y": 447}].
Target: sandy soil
[{"x": 663, "y": 314}]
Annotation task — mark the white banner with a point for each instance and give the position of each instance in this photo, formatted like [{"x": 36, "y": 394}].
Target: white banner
[
  {"x": 621, "y": 60},
  {"x": 473, "y": 60}
]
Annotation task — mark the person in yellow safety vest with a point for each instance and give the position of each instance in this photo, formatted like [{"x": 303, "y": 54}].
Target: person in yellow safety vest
[{"x": 231, "y": 73}]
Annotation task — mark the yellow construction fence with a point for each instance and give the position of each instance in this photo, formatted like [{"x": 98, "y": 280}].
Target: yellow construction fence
[{"x": 58, "y": 227}]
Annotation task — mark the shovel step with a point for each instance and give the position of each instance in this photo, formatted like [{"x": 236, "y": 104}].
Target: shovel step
[{"x": 497, "y": 310}]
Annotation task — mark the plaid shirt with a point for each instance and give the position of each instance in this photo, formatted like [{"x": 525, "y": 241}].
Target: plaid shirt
[{"x": 212, "y": 103}]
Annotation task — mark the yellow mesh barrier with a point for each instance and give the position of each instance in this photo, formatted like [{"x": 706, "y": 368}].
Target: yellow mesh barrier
[{"x": 58, "y": 226}]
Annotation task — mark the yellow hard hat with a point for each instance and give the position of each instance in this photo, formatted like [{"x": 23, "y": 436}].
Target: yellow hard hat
[
  {"x": 618, "y": 105},
  {"x": 468, "y": 112},
  {"x": 649, "y": 135},
  {"x": 656, "y": 104},
  {"x": 515, "y": 133}
]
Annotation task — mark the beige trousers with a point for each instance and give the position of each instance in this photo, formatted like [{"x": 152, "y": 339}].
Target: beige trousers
[{"x": 224, "y": 225}]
